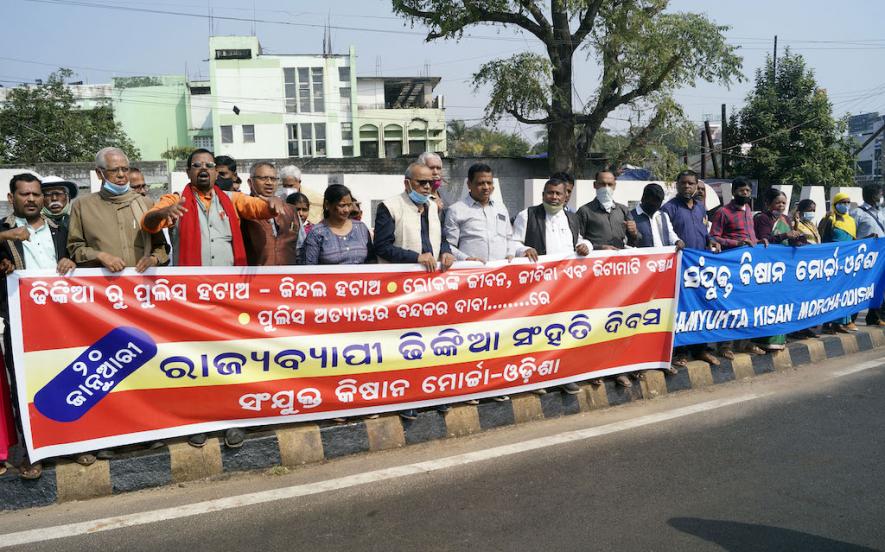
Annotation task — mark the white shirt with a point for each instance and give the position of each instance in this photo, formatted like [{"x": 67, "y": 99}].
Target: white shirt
[
  {"x": 558, "y": 235},
  {"x": 39, "y": 251},
  {"x": 658, "y": 220},
  {"x": 474, "y": 230}
]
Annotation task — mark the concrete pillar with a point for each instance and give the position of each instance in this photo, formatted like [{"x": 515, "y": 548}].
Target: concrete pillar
[{"x": 815, "y": 194}]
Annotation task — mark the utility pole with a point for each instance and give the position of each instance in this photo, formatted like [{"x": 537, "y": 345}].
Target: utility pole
[
  {"x": 716, "y": 172},
  {"x": 724, "y": 145},
  {"x": 774, "y": 63},
  {"x": 703, "y": 155}
]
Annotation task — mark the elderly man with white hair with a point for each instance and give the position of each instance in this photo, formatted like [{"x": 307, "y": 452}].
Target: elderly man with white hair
[
  {"x": 290, "y": 183},
  {"x": 105, "y": 229},
  {"x": 434, "y": 162}
]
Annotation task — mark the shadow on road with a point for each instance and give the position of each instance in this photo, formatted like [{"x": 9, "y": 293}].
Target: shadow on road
[{"x": 749, "y": 537}]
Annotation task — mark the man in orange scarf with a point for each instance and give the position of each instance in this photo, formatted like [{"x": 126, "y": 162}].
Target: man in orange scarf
[{"x": 204, "y": 224}]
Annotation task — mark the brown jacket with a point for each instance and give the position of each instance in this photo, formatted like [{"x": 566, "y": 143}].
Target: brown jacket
[
  {"x": 102, "y": 222},
  {"x": 272, "y": 244}
]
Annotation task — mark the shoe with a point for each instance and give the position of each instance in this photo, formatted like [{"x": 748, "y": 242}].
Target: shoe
[
  {"x": 707, "y": 356},
  {"x": 105, "y": 454},
  {"x": 234, "y": 437},
  {"x": 540, "y": 391},
  {"x": 408, "y": 414},
  {"x": 851, "y": 327},
  {"x": 726, "y": 353},
  {"x": 443, "y": 408},
  {"x": 624, "y": 381},
  {"x": 198, "y": 440},
  {"x": 571, "y": 388},
  {"x": 502, "y": 398},
  {"x": 839, "y": 328},
  {"x": 754, "y": 350}
]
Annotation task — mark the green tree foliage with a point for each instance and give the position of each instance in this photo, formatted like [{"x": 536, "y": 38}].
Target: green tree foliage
[
  {"x": 177, "y": 153},
  {"x": 793, "y": 137},
  {"x": 43, "y": 124},
  {"x": 643, "y": 53},
  {"x": 477, "y": 141}
]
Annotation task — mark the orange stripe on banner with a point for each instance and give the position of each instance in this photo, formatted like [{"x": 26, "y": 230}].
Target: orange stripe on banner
[
  {"x": 87, "y": 312},
  {"x": 145, "y": 410}
]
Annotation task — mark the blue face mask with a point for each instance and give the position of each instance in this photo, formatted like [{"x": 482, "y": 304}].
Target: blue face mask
[
  {"x": 114, "y": 189},
  {"x": 808, "y": 216},
  {"x": 420, "y": 199},
  {"x": 841, "y": 208}
]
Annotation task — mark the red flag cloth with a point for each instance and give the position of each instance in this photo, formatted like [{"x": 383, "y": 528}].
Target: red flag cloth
[
  {"x": 7, "y": 423},
  {"x": 189, "y": 240}
]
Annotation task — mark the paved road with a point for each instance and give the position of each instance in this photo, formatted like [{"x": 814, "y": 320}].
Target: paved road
[{"x": 790, "y": 461}]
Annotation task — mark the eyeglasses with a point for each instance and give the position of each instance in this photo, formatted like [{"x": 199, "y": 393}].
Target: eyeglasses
[
  {"x": 55, "y": 195},
  {"x": 119, "y": 170},
  {"x": 196, "y": 165},
  {"x": 266, "y": 179},
  {"x": 426, "y": 183}
]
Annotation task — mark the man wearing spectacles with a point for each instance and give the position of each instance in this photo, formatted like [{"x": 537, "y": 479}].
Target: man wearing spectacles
[
  {"x": 137, "y": 183},
  {"x": 105, "y": 229},
  {"x": 204, "y": 222},
  {"x": 408, "y": 227},
  {"x": 271, "y": 242}
]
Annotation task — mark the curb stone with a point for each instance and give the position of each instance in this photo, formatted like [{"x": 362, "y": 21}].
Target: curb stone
[{"x": 305, "y": 443}]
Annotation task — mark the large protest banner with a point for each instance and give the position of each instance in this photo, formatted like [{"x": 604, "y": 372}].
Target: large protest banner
[
  {"x": 763, "y": 291},
  {"x": 104, "y": 360}
]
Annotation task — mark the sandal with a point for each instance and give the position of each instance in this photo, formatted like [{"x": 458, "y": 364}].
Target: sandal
[
  {"x": 3, "y": 469},
  {"x": 30, "y": 471},
  {"x": 726, "y": 353},
  {"x": 85, "y": 459},
  {"x": 639, "y": 376},
  {"x": 596, "y": 381},
  {"x": 673, "y": 369},
  {"x": 624, "y": 381}
]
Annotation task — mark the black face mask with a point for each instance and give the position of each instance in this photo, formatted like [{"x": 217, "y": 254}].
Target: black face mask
[
  {"x": 740, "y": 200},
  {"x": 649, "y": 209},
  {"x": 226, "y": 184}
]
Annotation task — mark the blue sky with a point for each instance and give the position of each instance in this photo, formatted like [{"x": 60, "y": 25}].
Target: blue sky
[{"x": 843, "y": 42}]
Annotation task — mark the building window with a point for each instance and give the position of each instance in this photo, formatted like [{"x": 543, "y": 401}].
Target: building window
[
  {"x": 227, "y": 134},
  {"x": 347, "y": 151},
  {"x": 316, "y": 74},
  {"x": 307, "y": 140},
  {"x": 203, "y": 142},
  {"x": 290, "y": 89},
  {"x": 345, "y": 98},
  {"x": 344, "y": 75},
  {"x": 304, "y": 89},
  {"x": 248, "y": 134},
  {"x": 293, "y": 140},
  {"x": 347, "y": 131},
  {"x": 233, "y": 54}
]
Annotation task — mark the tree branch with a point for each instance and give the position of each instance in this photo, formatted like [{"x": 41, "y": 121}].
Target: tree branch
[
  {"x": 586, "y": 23},
  {"x": 527, "y": 121},
  {"x": 538, "y": 15},
  {"x": 640, "y": 139},
  {"x": 474, "y": 13}
]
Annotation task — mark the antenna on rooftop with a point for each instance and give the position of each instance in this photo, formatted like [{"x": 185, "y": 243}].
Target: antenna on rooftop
[
  {"x": 377, "y": 66},
  {"x": 327, "y": 36},
  {"x": 253, "y": 18}
]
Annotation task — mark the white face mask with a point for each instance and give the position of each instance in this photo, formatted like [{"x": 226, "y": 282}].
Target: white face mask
[{"x": 604, "y": 195}]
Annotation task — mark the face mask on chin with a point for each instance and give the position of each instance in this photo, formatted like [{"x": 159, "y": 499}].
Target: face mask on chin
[
  {"x": 742, "y": 200},
  {"x": 115, "y": 189},
  {"x": 553, "y": 209},
  {"x": 417, "y": 198}
]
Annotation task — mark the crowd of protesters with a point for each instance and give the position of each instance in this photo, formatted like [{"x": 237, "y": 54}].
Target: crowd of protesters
[{"x": 212, "y": 223}]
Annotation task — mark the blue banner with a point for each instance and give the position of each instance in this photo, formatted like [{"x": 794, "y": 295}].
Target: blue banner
[{"x": 764, "y": 291}]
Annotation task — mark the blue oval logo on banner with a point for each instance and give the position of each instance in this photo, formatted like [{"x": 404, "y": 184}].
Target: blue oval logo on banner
[{"x": 94, "y": 374}]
